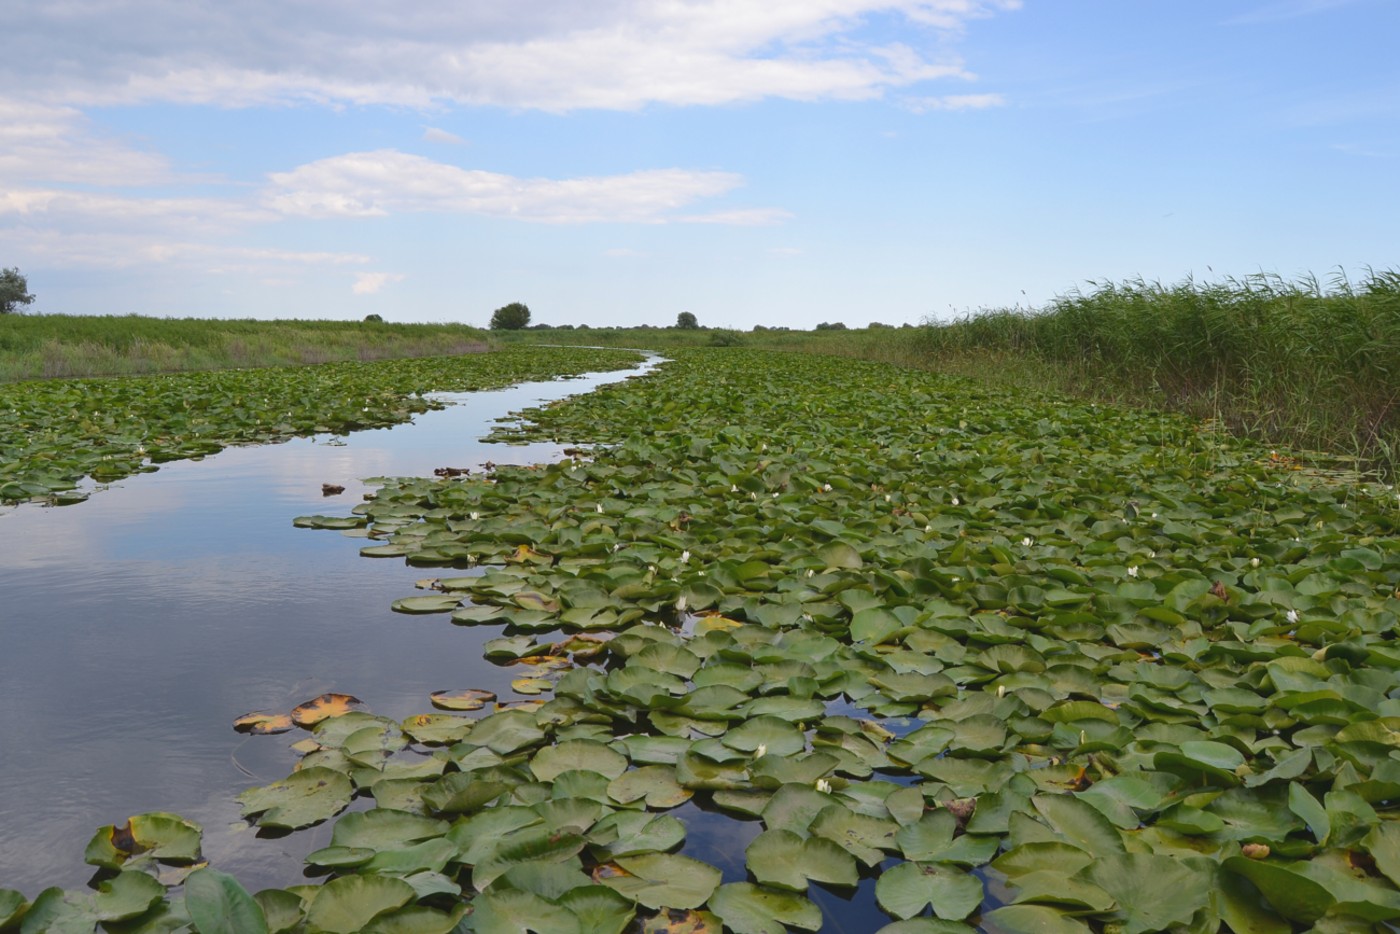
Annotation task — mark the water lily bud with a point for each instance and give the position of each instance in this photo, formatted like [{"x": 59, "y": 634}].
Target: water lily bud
[
  {"x": 1255, "y": 850},
  {"x": 1292, "y": 616},
  {"x": 1132, "y": 571},
  {"x": 761, "y": 751},
  {"x": 823, "y": 786},
  {"x": 600, "y": 507},
  {"x": 1254, "y": 562}
]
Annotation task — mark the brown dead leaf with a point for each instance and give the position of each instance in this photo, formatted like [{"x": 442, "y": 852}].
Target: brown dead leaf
[
  {"x": 326, "y": 706},
  {"x": 263, "y": 724}
]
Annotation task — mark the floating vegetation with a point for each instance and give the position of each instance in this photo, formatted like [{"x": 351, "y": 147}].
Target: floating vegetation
[
  {"x": 55, "y": 433},
  {"x": 1010, "y": 665}
]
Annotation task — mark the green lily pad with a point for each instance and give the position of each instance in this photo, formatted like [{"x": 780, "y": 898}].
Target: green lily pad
[
  {"x": 908, "y": 888},
  {"x": 784, "y": 860},
  {"x": 304, "y": 798},
  {"x": 752, "y": 909},
  {"x": 664, "y": 880},
  {"x": 218, "y": 904}
]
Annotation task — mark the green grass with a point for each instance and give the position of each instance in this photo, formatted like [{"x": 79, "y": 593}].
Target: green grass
[
  {"x": 1291, "y": 363},
  {"x": 49, "y": 346}
]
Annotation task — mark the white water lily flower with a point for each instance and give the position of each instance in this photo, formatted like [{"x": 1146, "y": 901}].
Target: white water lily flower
[
  {"x": 1132, "y": 571},
  {"x": 956, "y": 501},
  {"x": 733, "y": 488},
  {"x": 1254, "y": 562},
  {"x": 1292, "y": 616},
  {"x": 680, "y": 604},
  {"x": 887, "y": 497},
  {"x": 685, "y": 556},
  {"x": 761, "y": 751},
  {"x": 1001, "y": 690},
  {"x": 823, "y": 786},
  {"x": 475, "y": 516},
  {"x": 810, "y": 572},
  {"x": 599, "y": 507},
  {"x": 1027, "y": 542},
  {"x": 826, "y": 487}
]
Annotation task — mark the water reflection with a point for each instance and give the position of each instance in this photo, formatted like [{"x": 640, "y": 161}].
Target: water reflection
[{"x": 136, "y": 626}]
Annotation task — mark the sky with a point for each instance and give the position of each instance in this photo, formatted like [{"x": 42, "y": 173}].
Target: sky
[{"x": 617, "y": 162}]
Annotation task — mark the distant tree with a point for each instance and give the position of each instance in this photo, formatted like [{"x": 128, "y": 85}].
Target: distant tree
[
  {"x": 14, "y": 291},
  {"x": 686, "y": 321},
  {"x": 373, "y": 319},
  {"x": 510, "y": 317},
  {"x": 877, "y": 325},
  {"x": 831, "y": 326}
]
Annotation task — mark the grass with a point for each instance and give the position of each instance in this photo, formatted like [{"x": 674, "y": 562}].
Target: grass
[
  {"x": 1297, "y": 364},
  {"x": 50, "y": 346},
  {"x": 1292, "y": 363}
]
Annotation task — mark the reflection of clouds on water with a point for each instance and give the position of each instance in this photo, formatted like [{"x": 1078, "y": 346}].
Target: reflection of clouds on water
[{"x": 137, "y": 625}]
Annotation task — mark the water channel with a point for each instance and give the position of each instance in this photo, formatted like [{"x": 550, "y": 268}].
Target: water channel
[{"x": 135, "y": 627}]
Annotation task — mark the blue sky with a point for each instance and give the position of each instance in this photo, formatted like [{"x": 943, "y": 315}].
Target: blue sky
[{"x": 777, "y": 162}]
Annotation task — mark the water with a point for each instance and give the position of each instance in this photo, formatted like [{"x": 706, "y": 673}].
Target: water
[{"x": 136, "y": 626}]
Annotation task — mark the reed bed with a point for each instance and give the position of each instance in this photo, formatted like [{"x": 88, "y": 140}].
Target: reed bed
[
  {"x": 52, "y": 346},
  {"x": 1289, "y": 362}
]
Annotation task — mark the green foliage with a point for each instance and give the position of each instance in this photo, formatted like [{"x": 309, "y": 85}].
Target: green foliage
[
  {"x": 45, "y": 346},
  {"x": 830, "y": 326},
  {"x": 14, "y": 291},
  {"x": 1284, "y": 361},
  {"x": 510, "y": 317},
  {"x": 1035, "y": 665},
  {"x": 374, "y": 319},
  {"x": 686, "y": 321},
  {"x": 55, "y": 432},
  {"x": 725, "y": 339}
]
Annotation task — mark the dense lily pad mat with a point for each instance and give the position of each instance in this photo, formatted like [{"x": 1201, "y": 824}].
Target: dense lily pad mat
[
  {"x": 1017, "y": 665},
  {"x": 53, "y": 433}
]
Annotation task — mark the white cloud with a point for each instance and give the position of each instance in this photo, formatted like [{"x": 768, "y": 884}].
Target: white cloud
[
  {"x": 433, "y": 134},
  {"x": 367, "y": 283},
  {"x": 549, "y": 54},
  {"x": 921, "y": 105},
  {"x": 373, "y": 184},
  {"x": 57, "y": 144}
]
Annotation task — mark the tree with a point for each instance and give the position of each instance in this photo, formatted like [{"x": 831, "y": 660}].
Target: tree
[
  {"x": 14, "y": 291},
  {"x": 831, "y": 326},
  {"x": 510, "y": 317},
  {"x": 686, "y": 321}
]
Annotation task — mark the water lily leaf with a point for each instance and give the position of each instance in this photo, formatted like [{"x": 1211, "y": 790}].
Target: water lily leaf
[
  {"x": 260, "y": 723},
  {"x": 1040, "y": 856},
  {"x": 1058, "y": 888},
  {"x": 874, "y": 625},
  {"x": 340, "y": 857},
  {"x": 906, "y": 889},
  {"x": 437, "y": 729},
  {"x": 304, "y": 798},
  {"x": 351, "y": 903},
  {"x": 598, "y": 909},
  {"x": 750, "y": 909},
  {"x": 776, "y": 736},
  {"x": 463, "y": 793},
  {"x": 865, "y": 838},
  {"x": 384, "y": 829},
  {"x": 434, "y": 603},
  {"x": 218, "y": 904},
  {"x": 282, "y": 909},
  {"x": 1383, "y": 843},
  {"x": 1153, "y": 892},
  {"x": 1031, "y": 919},
  {"x": 581, "y": 754},
  {"x": 329, "y": 522},
  {"x": 675, "y": 921},
  {"x": 783, "y": 859},
  {"x": 469, "y": 699},
  {"x": 417, "y": 919},
  {"x": 12, "y": 906},
  {"x": 655, "y": 783},
  {"x": 628, "y": 833},
  {"x": 1079, "y": 823},
  {"x": 1202, "y": 761},
  {"x": 664, "y": 880},
  {"x": 157, "y": 836},
  {"x": 312, "y": 712},
  {"x": 1302, "y": 803},
  {"x": 535, "y": 843},
  {"x": 1290, "y": 893},
  {"x": 531, "y": 686},
  {"x": 507, "y": 731}
]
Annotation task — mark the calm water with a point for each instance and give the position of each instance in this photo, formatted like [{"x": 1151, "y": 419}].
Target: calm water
[{"x": 136, "y": 626}]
